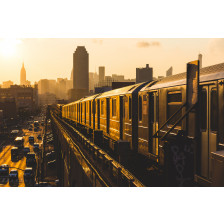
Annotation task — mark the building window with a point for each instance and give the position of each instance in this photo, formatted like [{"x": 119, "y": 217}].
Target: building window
[
  {"x": 140, "y": 108},
  {"x": 130, "y": 108},
  {"x": 174, "y": 103},
  {"x": 113, "y": 107}
]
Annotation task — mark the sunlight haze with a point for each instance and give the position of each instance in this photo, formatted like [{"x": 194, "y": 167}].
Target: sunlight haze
[{"x": 51, "y": 58}]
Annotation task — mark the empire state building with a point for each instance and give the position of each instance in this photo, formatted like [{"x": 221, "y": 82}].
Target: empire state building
[{"x": 23, "y": 76}]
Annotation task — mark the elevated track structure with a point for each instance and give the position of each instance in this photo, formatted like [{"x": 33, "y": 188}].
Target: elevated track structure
[{"x": 82, "y": 163}]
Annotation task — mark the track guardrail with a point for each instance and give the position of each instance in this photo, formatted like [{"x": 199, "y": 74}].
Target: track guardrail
[{"x": 117, "y": 173}]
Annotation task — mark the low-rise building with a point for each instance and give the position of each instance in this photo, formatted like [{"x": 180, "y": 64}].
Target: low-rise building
[
  {"x": 8, "y": 107},
  {"x": 26, "y": 98}
]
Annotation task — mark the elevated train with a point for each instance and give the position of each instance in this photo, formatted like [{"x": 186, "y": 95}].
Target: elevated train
[{"x": 135, "y": 113}]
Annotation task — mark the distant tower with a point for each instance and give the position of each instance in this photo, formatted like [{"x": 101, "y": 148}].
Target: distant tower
[
  {"x": 200, "y": 59},
  {"x": 80, "y": 72},
  {"x": 101, "y": 73},
  {"x": 23, "y": 76},
  {"x": 169, "y": 72}
]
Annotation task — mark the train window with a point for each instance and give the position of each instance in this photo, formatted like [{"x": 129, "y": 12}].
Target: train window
[
  {"x": 113, "y": 107},
  {"x": 102, "y": 107},
  {"x": 78, "y": 112},
  {"x": 151, "y": 107},
  {"x": 214, "y": 110},
  {"x": 123, "y": 104},
  {"x": 89, "y": 112},
  {"x": 81, "y": 111},
  {"x": 85, "y": 112},
  {"x": 140, "y": 108},
  {"x": 157, "y": 108},
  {"x": 94, "y": 107},
  {"x": 174, "y": 102},
  {"x": 174, "y": 96},
  {"x": 203, "y": 110},
  {"x": 130, "y": 108}
]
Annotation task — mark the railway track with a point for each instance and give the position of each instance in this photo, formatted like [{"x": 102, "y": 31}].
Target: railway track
[{"x": 109, "y": 171}]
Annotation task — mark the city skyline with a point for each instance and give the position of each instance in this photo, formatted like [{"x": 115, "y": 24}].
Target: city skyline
[{"x": 118, "y": 55}]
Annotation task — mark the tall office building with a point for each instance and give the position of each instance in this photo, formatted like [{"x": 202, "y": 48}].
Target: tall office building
[
  {"x": 144, "y": 74},
  {"x": 23, "y": 76},
  {"x": 101, "y": 73},
  {"x": 80, "y": 73},
  {"x": 200, "y": 59}
]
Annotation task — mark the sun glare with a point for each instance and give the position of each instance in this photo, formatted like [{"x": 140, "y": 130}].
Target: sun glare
[{"x": 8, "y": 46}]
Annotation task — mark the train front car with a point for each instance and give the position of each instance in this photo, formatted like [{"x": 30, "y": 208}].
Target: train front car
[
  {"x": 168, "y": 96},
  {"x": 59, "y": 110}
]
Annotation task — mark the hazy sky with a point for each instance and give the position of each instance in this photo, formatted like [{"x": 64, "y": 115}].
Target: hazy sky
[{"x": 52, "y": 58}]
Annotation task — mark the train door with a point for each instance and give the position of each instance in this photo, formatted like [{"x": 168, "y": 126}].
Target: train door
[
  {"x": 208, "y": 126},
  {"x": 153, "y": 121},
  {"x": 108, "y": 114},
  {"x": 121, "y": 116}
]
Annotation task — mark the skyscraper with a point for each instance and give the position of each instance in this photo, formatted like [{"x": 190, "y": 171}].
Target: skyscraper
[
  {"x": 101, "y": 73},
  {"x": 23, "y": 76},
  {"x": 80, "y": 73}
]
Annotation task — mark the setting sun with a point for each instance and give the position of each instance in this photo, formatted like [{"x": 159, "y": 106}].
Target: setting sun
[{"x": 8, "y": 47}]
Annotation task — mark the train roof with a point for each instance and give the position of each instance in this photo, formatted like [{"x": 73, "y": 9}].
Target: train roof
[
  {"x": 91, "y": 97},
  {"x": 77, "y": 101},
  {"x": 123, "y": 90},
  {"x": 148, "y": 85},
  {"x": 83, "y": 99},
  {"x": 209, "y": 73}
]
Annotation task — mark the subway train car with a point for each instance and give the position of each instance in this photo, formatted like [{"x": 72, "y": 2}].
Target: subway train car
[
  {"x": 70, "y": 111},
  {"x": 88, "y": 111},
  {"x": 158, "y": 102},
  {"x": 116, "y": 114}
]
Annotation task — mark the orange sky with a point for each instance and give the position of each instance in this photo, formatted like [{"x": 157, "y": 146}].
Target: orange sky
[{"x": 52, "y": 57}]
